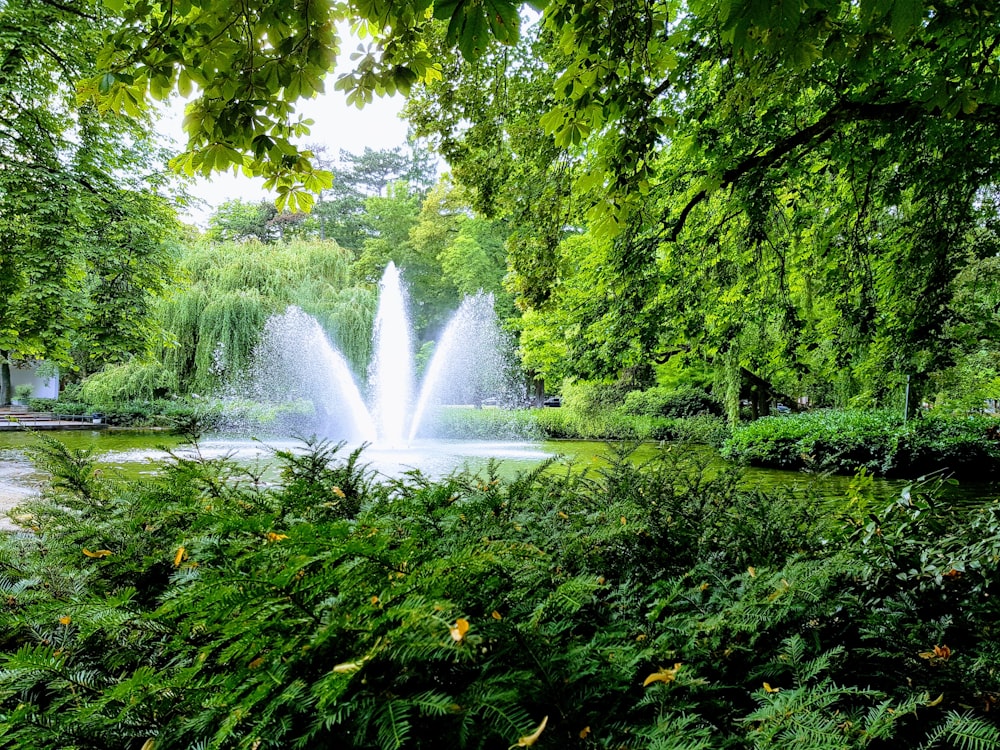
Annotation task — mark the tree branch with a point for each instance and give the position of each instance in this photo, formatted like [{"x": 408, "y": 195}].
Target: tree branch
[{"x": 820, "y": 131}]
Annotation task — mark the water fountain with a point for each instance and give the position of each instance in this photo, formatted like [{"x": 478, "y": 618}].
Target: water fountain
[{"x": 297, "y": 362}]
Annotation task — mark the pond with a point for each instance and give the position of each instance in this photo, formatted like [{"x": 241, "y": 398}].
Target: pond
[{"x": 137, "y": 453}]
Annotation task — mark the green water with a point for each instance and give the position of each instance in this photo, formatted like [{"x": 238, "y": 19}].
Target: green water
[{"x": 134, "y": 454}]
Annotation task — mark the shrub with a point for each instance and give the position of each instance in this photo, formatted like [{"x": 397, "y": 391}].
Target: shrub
[
  {"x": 672, "y": 402},
  {"x": 481, "y": 424},
  {"x": 878, "y": 442},
  {"x": 42, "y": 404},
  {"x": 132, "y": 381},
  {"x": 640, "y": 606}
]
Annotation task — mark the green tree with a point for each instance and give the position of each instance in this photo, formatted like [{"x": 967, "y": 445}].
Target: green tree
[
  {"x": 82, "y": 229},
  {"x": 787, "y": 191},
  {"x": 237, "y": 220}
]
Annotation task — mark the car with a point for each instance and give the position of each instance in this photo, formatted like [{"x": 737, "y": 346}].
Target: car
[{"x": 552, "y": 401}]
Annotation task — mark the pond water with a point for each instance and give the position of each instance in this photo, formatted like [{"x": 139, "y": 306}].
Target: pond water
[{"x": 134, "y": 453}]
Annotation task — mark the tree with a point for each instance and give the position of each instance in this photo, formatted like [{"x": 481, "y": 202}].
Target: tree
[
  {"x": 237, "y": 220},
  {"x": 252, "y": 62},
  {"x": 786, "y": 191},
  {"x": 82, "y": 229},
  {"x": 340, "y": 211}
]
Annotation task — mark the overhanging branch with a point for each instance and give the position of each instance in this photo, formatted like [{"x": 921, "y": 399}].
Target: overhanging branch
[{"x": 820, "y": 131}]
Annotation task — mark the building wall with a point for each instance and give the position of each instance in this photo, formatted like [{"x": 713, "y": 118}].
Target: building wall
[{"x": 40, "y": 387}]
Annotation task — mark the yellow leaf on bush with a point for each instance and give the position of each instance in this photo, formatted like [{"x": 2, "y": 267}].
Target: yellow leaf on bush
[
  {"x": 531, "y": 739},
  {"x": 65, "y": 620},
  {"x": 272, "y": 537},
  {"x": 663, "y": 675},
  {"x": 179, "y": 557},
  {"x": 99, "y": 553},
  {"x": 347, "y": 666},
  {"x": 769, "y": 689},
  {"x": 459, "y": 630},
  {"x": 496, "y": 615},
  {"x": 338, "y": 492}
]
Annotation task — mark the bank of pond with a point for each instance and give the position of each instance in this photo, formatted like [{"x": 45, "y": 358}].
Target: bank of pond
[
  {"x": 653, "y": 603},
  {"x": 880, "y": 442}
]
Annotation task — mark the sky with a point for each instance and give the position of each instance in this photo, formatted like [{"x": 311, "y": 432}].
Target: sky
[{"x": 337, "y": 126}]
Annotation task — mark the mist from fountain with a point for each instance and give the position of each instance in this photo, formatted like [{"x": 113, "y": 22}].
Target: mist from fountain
[{"x": 297, "y": 361}]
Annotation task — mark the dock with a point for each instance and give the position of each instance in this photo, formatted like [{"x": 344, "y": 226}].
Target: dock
[{"x": 19, "y": 418}]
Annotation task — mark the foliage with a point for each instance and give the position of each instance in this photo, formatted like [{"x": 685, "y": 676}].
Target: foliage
[
  {"x": 244, "y": 116},
  {"x": 234, "y": 287},
  {"x": 670, "y": 402},
  {"x": 759, "y": 187},
  {"x": 42, "y": 404},
  {"x": 128, "y": 382},
  {"x": 86, "y": 225},
  {"x": 657, "y": 606},
  {"x": 878, "y": 442}
]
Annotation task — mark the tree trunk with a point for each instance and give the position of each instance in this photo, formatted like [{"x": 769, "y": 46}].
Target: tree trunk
[{"x": 5, "y": 389}]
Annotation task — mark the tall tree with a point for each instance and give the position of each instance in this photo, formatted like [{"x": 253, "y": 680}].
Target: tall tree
[{"x": 82, "y": 228}]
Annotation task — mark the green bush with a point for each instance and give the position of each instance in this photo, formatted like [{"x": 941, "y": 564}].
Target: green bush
[
  {"x": 640, "y": 607},
  {"x": 672, "y": 402},
  {"x": 482, "y": 424},
  {"x": 878, "y": 442},
  {"x": 42, "y": 404}
]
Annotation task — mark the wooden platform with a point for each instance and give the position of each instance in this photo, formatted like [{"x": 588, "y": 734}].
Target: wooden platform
[{"x": 19, "y": 418}]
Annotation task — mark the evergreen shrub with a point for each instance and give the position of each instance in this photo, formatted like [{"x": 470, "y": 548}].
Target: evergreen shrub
[{"x": 655, "y": 606}]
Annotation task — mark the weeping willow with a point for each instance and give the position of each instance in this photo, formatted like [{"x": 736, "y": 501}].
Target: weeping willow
[
  {"x": 181, "y": 317},
  {"x": 215, "y": 320},
  {"x": 228, "y": 330},
  {"x": 348, "y": 315},
  {"x": 130, "y": 381},
  {"x": 233, "y": 288}
]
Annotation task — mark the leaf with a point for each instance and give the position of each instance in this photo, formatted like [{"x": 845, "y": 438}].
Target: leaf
[
  {"x": 531, "y": 739},
  {"x": 769, "y": 689},
  {"x": 106, "y": 82},
  {"x": 906, "y": 15},
  {"x": 662, "y": 675},
  {"x": 348, "y": 667},
  {"x": 65, "y": 620},
  {"x": 179, "y": 557},
  {"x": 459, "y": 630},
  {"x": 99, "y": 553}
]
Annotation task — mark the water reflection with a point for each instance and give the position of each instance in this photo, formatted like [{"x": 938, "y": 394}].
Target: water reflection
[{"x": 134, "y": 454}]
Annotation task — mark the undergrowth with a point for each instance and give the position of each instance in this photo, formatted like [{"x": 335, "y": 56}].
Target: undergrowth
[{"x": 654, "y": 606}]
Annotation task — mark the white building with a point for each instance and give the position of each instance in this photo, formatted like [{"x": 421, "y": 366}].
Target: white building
[{"x": 44, "y": 384}]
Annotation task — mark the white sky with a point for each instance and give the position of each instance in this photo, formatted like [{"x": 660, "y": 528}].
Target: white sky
[{"x": 337, "y": 126}]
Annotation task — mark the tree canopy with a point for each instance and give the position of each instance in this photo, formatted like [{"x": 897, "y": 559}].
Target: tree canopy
[
  {"x": 795, "y": 189},
  {"x": 84, "y": 228}
]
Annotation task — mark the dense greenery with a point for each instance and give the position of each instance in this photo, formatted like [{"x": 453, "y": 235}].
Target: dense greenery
[
  {"x": 877, "y": 442},
  {"x": 640, "y": 607},
  {"x": 87, "y": 232},
  {"x": 802, "y": 196}
]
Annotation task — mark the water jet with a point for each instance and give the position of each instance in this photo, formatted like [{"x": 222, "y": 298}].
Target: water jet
[{"x": 296, "y": 361}]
